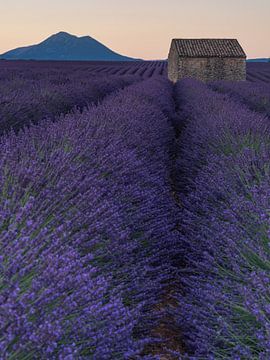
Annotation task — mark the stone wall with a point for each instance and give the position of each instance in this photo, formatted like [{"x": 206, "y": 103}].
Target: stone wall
[
  {"x": 234, "y": 69},
  {"x": 206, "y": 69},
  {"x": 173, "y": 60}
]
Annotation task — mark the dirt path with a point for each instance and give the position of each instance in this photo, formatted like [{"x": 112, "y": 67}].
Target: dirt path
[{"x": 172, "y": 348}]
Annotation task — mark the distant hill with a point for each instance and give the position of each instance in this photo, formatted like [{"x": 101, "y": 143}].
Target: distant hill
[
  {"x": 64, "y": 46},
  {"x": 259, "y": 60}
]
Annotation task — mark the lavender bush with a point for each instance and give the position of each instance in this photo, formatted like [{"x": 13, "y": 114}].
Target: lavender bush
[
  {"x": 90, "y": 251},
  {"x": 87, "y": 229},
  {"x": 257, "y": 72},
  {"x": 255, "y": 95},
  {"x": 27, "y": 96},
  {"x": 224, "y": 312}
]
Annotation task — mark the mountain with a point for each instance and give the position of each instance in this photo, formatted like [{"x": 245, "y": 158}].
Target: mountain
[
  {"x": 259, "y": 60},
  {"x": 64, "y": 46}
]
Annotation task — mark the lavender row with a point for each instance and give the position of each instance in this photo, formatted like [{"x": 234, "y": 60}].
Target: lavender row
[
  {"x": 87, "y": 229},
  {"x": 37, "y": 70},
  {"x": 25, "y": 100},
  {"x": 257, "y": 71},
  {"x": 223, "y": 161},
  {"x": 255, "y": 95}
]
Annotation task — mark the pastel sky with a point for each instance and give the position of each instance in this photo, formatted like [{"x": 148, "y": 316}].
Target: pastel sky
[{"x": 139, "y": 28}]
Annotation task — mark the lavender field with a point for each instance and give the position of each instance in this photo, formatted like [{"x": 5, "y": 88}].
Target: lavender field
[{"x": 134, "y": 213}]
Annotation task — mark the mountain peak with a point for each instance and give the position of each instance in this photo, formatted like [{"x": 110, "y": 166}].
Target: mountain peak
[
  {"x": 65, "y": 46},
  {"x": 61, "y": 35},
  {"x": 64, "y": 34}
]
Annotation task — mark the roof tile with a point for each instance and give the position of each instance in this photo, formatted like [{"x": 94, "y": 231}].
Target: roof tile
[{"x": 209, "y": 48}]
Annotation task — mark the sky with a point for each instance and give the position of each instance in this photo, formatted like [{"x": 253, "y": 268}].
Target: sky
[{"x": 138, "y": 28}]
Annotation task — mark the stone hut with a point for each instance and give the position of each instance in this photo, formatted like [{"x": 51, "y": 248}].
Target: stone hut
[{"x": 206, "y": 59}]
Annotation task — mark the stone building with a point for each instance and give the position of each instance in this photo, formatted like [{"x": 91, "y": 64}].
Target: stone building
[{"x": 206, "y": 59}]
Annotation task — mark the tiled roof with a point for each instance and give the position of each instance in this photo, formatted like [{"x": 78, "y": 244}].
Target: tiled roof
[{"x": 208, "y": 48}]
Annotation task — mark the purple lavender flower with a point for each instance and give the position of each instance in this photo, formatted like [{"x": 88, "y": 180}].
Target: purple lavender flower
[{"x": 224, "y": 179}]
